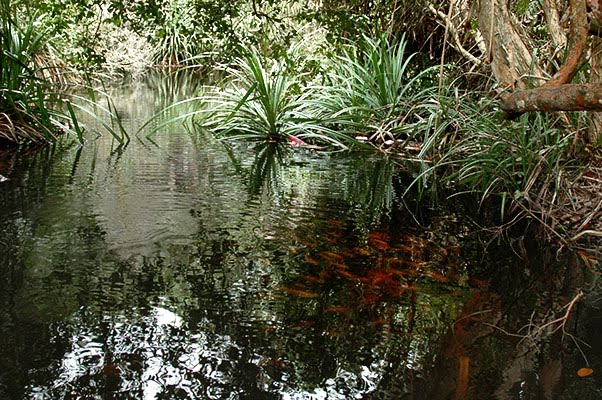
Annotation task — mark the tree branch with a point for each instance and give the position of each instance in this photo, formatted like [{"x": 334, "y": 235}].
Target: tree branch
[
  {"x": 568, "y": 97},
  {"x": 558, "y": 94},
  {"x": 457, "y": 44},
  {"x": 577, "y": 37}
]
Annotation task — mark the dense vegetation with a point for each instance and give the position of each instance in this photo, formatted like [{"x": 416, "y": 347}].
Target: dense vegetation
[{"x": 413, "y": 79}]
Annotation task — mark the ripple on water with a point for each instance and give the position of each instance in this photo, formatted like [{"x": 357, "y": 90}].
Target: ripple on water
[{"x": 174, "y": 269}]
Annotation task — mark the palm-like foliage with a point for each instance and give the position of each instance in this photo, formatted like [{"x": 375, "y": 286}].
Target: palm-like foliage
[
  {"x": 266, "y": 104},
  {"x": 177, "y": 43}
]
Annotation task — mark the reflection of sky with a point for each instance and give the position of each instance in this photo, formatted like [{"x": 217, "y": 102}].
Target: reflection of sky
[
  {"x": 175, "y": 221},
  {"x": 148, "y": 199},
  {"x": 87, "y": 356},
  {"x": 157, "y": 355},
  {"x": 157, "y": 367}
]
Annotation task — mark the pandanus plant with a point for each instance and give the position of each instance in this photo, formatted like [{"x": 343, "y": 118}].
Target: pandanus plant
[{"x": 267, "y": 104}]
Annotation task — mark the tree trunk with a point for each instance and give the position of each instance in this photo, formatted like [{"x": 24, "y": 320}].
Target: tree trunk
[
  {"x": 511, "y": 61},
  {"x": 596, "y": 78},
  {"x": 576, "y": 43},
  {"x": 550, "y": 8},
  {"x": 558, "y": 94}
]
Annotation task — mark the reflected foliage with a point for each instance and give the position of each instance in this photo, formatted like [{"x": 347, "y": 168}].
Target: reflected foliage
[
  {"x": 118, "y": 300},
  {"x": 175, "y": 270},
  {"x": 265, "y": 170}
]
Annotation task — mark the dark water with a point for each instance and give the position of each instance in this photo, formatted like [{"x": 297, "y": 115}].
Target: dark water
[{"x": 180, "y": 268}]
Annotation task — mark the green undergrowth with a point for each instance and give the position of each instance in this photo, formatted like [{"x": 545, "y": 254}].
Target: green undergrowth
[
  {"x": 27, "y": 102},
  {"x": 264, "y": 102},
  {"x": 36, "y": 106},
  {"x": 372, "y": 90},
  {"x": 516, "y": 162},
  {"x": 375, "y": 92}
]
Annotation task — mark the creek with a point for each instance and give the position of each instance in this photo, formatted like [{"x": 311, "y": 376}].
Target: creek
[{"x": 180, "y": 267}]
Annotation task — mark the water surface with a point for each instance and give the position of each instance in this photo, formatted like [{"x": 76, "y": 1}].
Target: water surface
[{"x": 178, "y": 267}]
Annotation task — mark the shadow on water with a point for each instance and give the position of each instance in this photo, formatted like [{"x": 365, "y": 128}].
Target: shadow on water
[{"x": 183, "y": 268}]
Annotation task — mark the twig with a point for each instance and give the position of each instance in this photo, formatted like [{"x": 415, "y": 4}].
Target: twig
[
  {"x": 541, "y": 221},
  {"x": 505, "y": 332},
  {"x": 454, "y": 33},
  {"x": 565, "y": 317},
  {"x": 535, "y": 333},
  {"x": 587, "y": 232},
  {"x": 590, "y": 217}
]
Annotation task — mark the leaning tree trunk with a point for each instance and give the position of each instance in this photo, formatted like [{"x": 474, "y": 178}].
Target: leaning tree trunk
[
  {"x": 507, "y": 46},
  {"x": 558, "y": 93}
]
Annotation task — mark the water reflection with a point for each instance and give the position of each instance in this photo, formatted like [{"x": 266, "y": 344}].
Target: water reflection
[
  {"x": 183, "y": 268},
  {"x": 267, "y": 168}
]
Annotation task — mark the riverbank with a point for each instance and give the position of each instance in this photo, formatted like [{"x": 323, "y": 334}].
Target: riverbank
[{"x": 578, "y": 211}]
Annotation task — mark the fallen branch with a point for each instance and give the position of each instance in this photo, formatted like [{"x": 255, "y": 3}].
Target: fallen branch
[{"x": 562, "y": 320}]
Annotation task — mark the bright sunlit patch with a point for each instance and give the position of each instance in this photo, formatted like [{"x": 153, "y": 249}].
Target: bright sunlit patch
[{"x": 166, "y": 317}]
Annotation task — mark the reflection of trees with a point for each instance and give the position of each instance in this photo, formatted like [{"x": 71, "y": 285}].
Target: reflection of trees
[
  {"x": 266, "y": 168},
  {"x": 183, "y": 233},
  {"x": 172, "y": 268},
  {"x": 498, "y": 339},
  {"x": 363, "y": 185},
  {"x": 223, "y": 337},
  {"x": 141, "y": 354},
  {"x": 38, "y": 231},
  {"x": 224, "y": 283}
]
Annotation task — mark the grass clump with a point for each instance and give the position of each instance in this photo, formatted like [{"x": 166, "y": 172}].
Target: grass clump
[
  {"x": 33, "y": 107},
  {"x": 517, "y": 163},
  {"x": 509, "y": 159},
  {"x": 264, "y": 102},
  {"x": 377, "y": 91},
  {"x": 26, "y": 102}
]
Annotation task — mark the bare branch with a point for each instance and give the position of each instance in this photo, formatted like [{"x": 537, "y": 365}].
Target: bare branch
[{"x": 445, "y": 20}]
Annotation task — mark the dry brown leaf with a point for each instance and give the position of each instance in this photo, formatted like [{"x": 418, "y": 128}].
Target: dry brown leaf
[{"x": 583, "y": 372}]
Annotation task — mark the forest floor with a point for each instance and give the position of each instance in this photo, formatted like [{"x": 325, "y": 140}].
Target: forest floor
[{"x": 579, "y": 208}]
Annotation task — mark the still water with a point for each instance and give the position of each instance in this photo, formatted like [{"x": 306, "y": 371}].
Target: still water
[{"x": 178, "y": 267}]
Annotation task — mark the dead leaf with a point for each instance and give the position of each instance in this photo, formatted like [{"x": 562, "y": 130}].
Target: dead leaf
[{"x": 583, "y": 372}]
